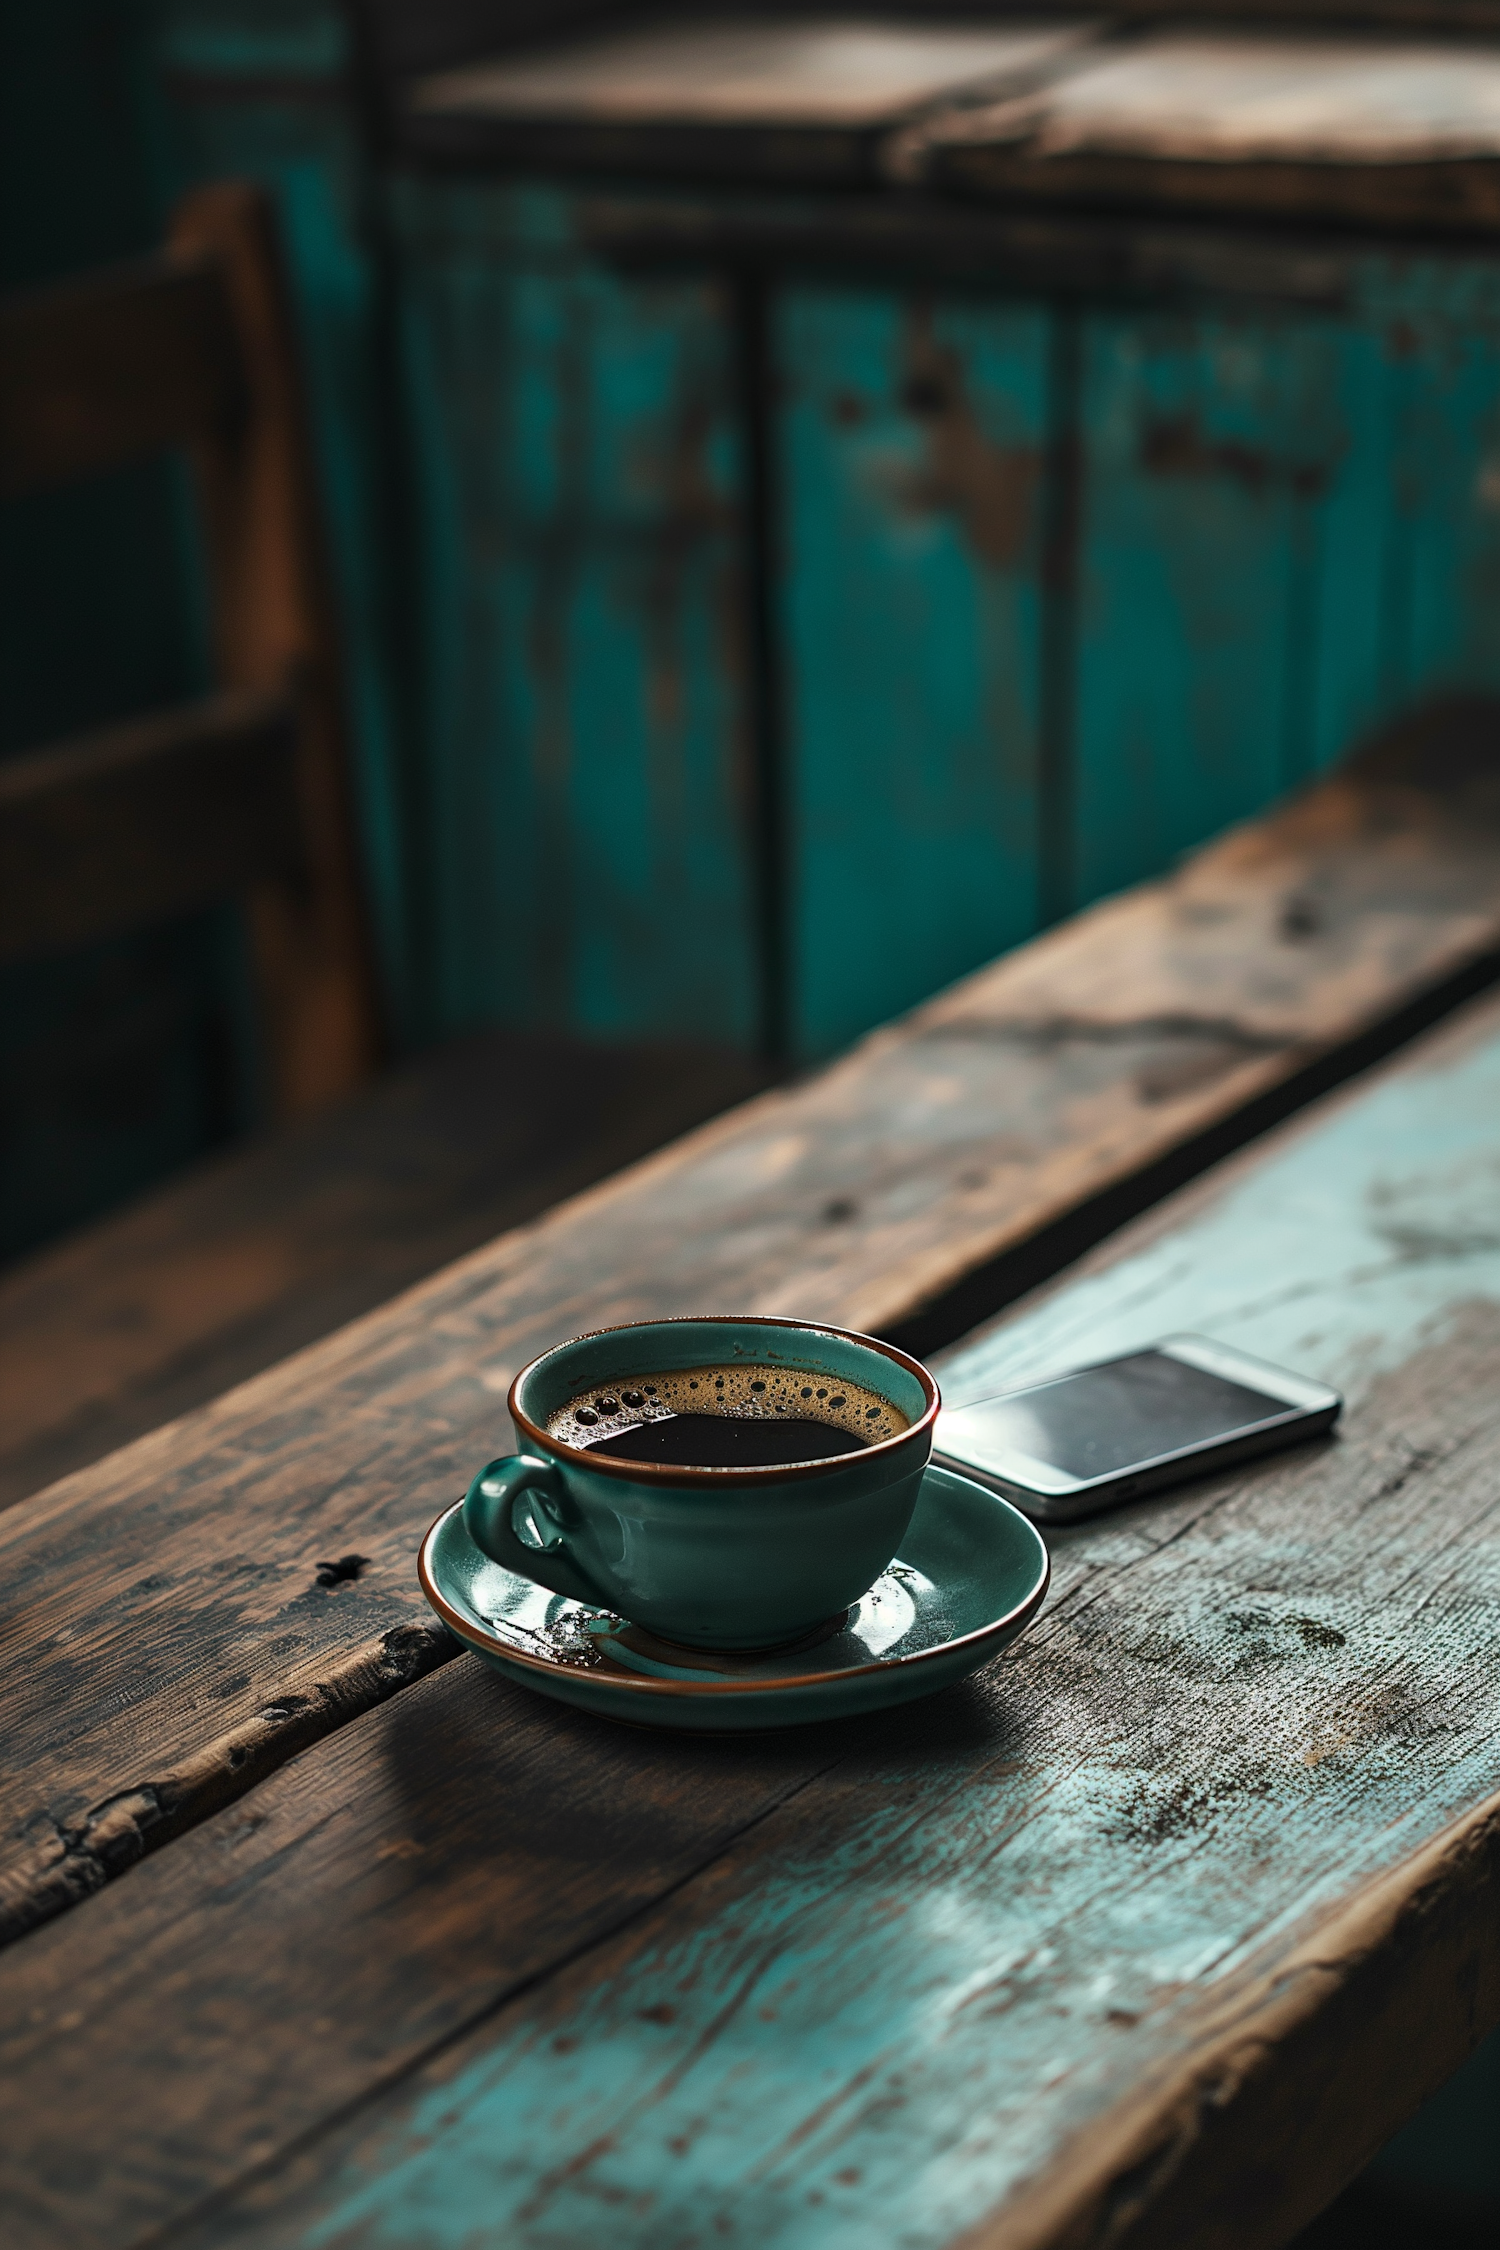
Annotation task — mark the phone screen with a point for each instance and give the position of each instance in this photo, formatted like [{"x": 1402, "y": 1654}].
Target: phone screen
[{"x": 1114, "y": 1417}]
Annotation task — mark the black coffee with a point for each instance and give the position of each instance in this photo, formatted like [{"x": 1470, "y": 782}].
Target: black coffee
[
  {"x": 724, "y": 1441},
  {"x": 732, "y": 1417}
]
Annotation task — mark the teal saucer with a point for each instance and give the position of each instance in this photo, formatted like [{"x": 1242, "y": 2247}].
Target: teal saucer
[{"x": 970, "y": 1577}]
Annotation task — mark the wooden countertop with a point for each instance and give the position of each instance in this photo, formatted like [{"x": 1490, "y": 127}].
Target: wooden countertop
[
  {"x": 1389, "y": 131},
  {"x": 1057, "y": 1956},
  {"x": 1385, "y": 127},
  {"x": 808, "y": 99}
]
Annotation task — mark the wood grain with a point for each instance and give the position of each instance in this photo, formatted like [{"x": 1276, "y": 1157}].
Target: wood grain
[
  {"x": 1389, "y": 132},
  {"x": 259, "y": 1252},
  {"x": 803, "y": 100},
  {"x": 808, "y": 73},
  {"x": 490, "y": 1838},
  {"x": 1207, "y": 1867},
  {"x": 939, "y": 1148}
]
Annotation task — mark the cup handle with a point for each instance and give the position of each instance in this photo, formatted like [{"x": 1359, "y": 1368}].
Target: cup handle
[{"x": 488, "y": 1505}]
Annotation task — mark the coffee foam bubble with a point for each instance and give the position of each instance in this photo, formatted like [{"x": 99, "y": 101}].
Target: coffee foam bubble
[{"x": 747, "y": 1392}]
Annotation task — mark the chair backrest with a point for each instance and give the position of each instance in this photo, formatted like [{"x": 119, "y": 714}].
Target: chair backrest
[{"x": 245, "y": 792}]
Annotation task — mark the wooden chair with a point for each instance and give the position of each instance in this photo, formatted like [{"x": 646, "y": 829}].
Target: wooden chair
[{"x": 244, "y": 794}]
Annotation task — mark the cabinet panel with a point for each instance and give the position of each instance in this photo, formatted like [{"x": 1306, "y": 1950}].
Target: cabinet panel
[
  {"x": 910, "y": 471},
  {"x": 584, "y": 602},
  {"x": 1409, "y": 591},
  {"x": 1208, "y": 447},
  {"x": 1437, "y": 327},
  {"x": 1291, "y": 534}
]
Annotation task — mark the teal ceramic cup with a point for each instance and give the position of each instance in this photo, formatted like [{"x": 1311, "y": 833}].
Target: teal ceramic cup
[{"x": 724, "y": 1558}]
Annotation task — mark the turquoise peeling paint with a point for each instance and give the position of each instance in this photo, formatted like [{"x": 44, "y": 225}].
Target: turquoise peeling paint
[
  {"x": 586, "y": 753},
  {"x": 876, "y": 2024},
  {"x": 1196, "y": 576},
  {"x": 1289, "y": 531},
  {"x": 911, "y": 609},
  {"x": 1409, "y": 539}
]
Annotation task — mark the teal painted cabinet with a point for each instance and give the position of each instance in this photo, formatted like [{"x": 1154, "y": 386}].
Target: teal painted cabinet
[
  {"x": 912, "y": 436},
  {"x": 586, "y": 763},
  {"x": 1410, "y": 583},
  {"x": 993, "y": 699},
  {"x": 1206, "y": 443},
  {"x": 708, "y": 683},
  {"x": 1290, "y": 533},
  {"x": 1279, "y": 531}
]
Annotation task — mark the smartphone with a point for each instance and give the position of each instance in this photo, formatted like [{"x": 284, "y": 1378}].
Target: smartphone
[{"x": 1088, "y": 1440}]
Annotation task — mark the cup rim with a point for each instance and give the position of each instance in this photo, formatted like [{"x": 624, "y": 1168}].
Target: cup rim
[{"x": 665, "y": 1472}]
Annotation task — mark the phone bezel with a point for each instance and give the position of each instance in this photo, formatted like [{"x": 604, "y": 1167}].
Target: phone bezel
[{"x": 1043, "y": 1489}]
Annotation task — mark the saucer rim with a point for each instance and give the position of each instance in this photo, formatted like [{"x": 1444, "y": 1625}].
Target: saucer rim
[{"x": 635, "y": 1684}]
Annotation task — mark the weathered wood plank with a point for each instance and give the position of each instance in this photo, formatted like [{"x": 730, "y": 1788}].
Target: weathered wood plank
[
  {"x": 1258, "y": 96},
  {"x": 939, "y": 1149},
  {"x": 805, "y": 99},
  {"x": 1383, "y": 130},
  {"x": 250, "y": 1257},
  {"x": 811, "y": 72},
  {"x": 1209, "y": 1865},
  {"x": 469, "y": 1840},
  {"x": 1017, "y": 247}
]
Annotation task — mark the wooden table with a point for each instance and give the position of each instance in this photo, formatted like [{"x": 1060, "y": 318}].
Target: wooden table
[{"x": 1149, "y": 1934}]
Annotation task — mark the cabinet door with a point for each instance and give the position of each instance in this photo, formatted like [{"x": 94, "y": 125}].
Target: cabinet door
[
  {"x": 1209, "y": 445},
  {"x": 1290, "y": 537},
  {"x": 1409, "y": 590},
  {"x": 912, "y": 439},
  {"x": 583, "y": 585}
]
